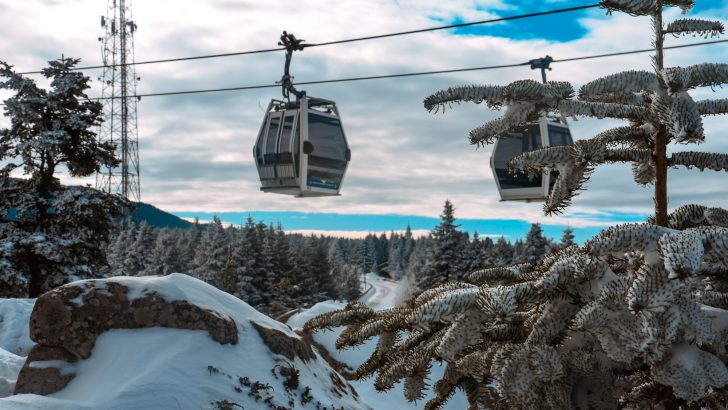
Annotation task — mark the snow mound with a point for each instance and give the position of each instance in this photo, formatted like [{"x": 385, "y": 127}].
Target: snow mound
[
  {"x": 10, "y": 365},
  {"x": 162, "y": 368},
  {"x": 14, "y": 329}
]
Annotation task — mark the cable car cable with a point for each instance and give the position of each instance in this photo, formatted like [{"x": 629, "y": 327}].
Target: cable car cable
[
  {"x": 378, "y": 77},
  {"x": 350, "y": 40}
]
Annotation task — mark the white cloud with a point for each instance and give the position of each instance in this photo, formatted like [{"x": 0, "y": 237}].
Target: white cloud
[{"x": 195, "y": 150}]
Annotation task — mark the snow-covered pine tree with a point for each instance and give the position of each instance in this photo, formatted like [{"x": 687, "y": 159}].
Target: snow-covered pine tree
[
  {"x": 408, "y": 246},
  {"x": 246, "y": 278},
  {"x": 419, "y": 258},
  {"x": 502, "y": 252},
  {"x": 51, "y": 234},
  {"x": 519, "y": 249},
  {"x": 395, "y": 267},
  {"x": 364, "y": 253},
  {"x": 445, "y": 261},
  {"x": 535, "y": 246},
  {"x": 141, "y": 249},
  {"x": 345, "y": 277},
  {"x": 212, "y": 253},
  {"x": 567, "y": 238},
  {"x": 479, "y": 252},
  {"x": 120, "y": 250},
  {"x": 636, "y": 318},
  {"x": 164, "y": 254},
  {"x": 187, "y": 243}
]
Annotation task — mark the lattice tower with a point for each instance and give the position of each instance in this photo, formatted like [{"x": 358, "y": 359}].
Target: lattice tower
[{"x": 119, "y": 81}]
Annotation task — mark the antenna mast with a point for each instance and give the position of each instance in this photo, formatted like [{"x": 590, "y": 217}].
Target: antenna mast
[{"x": 119, "y": 82}]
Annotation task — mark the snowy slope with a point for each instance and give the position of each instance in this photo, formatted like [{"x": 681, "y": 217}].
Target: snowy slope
[
  {"x": 384, "y": 294},
  {"x": 161, "y": 368}
]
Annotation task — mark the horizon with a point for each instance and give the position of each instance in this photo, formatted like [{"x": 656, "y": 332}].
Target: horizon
[{"x": 361, "y": 225}]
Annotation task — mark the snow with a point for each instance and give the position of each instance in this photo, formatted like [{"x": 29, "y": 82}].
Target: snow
[
  {"x": 162, "y": 368},
  {"x": 14, "y": 328},
  {"x": 10, "y": 365},
  {"x": 384, "y": 294},
  {"x": 185, "y": 369}
]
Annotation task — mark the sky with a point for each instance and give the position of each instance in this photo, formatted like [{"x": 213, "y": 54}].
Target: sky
[{"x": 196, "y": 150}]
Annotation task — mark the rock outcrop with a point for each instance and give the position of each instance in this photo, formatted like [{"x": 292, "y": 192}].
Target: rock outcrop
[{"x": 66, "y": 322}]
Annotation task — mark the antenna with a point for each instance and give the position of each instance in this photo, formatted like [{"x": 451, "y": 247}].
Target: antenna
[{"x": 119, "y": 81}]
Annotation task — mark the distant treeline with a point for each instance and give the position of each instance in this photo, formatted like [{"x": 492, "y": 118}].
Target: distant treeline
[{"x": 275, "y": 271}]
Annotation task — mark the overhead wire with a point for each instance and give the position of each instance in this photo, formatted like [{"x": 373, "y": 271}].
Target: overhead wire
[
  {"x": 350, "y": 40},
  {"x": 414, "y": 74}
]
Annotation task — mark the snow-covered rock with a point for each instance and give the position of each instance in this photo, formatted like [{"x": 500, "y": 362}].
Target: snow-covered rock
[{"x": 161, "y": 368}]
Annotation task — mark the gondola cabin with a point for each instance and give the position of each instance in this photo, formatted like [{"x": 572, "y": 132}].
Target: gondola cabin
[
  {"x": 548, "y": 131},
  {"x": 301, "y": 149}
]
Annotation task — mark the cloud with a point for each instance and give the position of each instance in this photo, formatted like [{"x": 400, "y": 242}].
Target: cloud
[{"x": 195, "y": 150}]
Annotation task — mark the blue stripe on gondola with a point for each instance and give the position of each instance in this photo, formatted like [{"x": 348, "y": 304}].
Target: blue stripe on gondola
[{"x": 321, "y": 184}]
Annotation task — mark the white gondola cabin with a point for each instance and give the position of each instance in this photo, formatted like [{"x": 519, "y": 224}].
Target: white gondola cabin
[
  {"x": 301, "y": 149},
  {"x": 548, "y": 131}
]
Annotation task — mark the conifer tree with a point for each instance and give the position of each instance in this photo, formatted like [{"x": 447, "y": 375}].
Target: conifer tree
[
  {"x": 141, "y": 249},
  {"x": 120, "y": 251},
  {"x": 567, "y": 239},
  {"x": 502, "y": 252},
  {"x": 344, "y": 276},
  {"x": 164, "y": 256},
  {"x": 51, "y": 234},
  {"x": 446, "y": 251},
  {"x": 395, "y": 266},
  {"x": 212, "y": 253},
  {"x": 535, "y": 246},
  {"x": 408, "y": 247}
]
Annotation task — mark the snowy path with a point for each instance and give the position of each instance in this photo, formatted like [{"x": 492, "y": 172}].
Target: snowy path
[{"x": 384, "y": 293}]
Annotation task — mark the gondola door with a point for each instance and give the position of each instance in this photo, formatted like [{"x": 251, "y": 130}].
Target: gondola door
[{"x": 324, "y": 151}]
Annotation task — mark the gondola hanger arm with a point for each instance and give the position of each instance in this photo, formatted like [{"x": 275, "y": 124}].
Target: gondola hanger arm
[
  {"x": 291, "y": 43},
  {"x": 542, "y": 63}
]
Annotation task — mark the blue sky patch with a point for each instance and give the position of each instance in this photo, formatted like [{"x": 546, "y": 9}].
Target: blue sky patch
[
  {"x": 512, "y": 229},
  {"x": 560, "y": 27}
]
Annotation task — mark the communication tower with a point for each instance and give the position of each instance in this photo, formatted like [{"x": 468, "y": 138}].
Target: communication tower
[{"x": 119, "y": 81}]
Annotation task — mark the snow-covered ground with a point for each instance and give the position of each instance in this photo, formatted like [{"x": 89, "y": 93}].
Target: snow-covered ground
[
  {"x": 14, "y": 329},
  {"x": 162, "y": 368},
  {"x": 384, "y": 293}
]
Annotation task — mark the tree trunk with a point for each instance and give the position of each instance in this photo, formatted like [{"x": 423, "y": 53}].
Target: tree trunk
[
  {"x": 35, "y": 284},
  {"x": 660, "y": 134}
]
